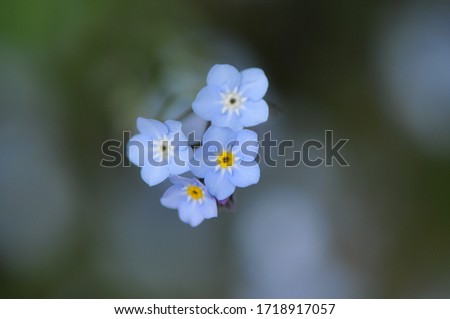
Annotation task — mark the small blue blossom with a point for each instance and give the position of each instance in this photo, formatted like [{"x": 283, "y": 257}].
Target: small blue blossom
[
  {"x": 192, "y": 200},
  {"x": 233, "y": 99},
  {"x": 160, "y": 149},
  {"x": 226, "y": 160}
]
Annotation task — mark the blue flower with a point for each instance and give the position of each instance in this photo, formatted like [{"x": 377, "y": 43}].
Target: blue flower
[
  {"x": 226, "y": 160},
  {"x": 192, "y": 200},
  {"x": 233, "y": 99},
  {"x": 160, "y": 150}
]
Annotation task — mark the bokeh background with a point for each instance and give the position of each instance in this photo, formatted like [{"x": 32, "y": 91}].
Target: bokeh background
[{"x": 75, "y": 73}]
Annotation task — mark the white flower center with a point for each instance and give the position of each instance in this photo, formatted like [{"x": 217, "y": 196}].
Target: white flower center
[
  {"x": 232, "y": 101},
  {"x": 163, "y": 148}
]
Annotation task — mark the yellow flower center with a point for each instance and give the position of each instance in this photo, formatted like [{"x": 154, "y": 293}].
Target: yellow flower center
[
  {"x": 225, "y": 160},
  {"x": 195, "y": 192}
]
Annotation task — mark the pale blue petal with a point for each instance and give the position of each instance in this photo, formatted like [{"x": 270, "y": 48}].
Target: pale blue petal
[
  {"x": 254, "y": 113},
  {"x": 244, "y": 176},
  {"x": 218, "y": 184},
  {"x": 154, "y": 175},
  {"x": 223, "y": 135},
  {"x": 190, "y": 213},
  {"x": 178, "y": 140},
  {"x": 227, "y": 119},
  {"x": 173, "y": 196},
  {"x": 195, "y": 181},
  {"x": 248, "y": 145},
  {"x": 197, "y": 165},
  {"x": 137, "y": 149},
  {"x": 179, "y": 164},
  {"x": 254, "y": 84},
  {"x": 194, "y": 127},
  {"x": 224, "y": 76},
  {"x": 153, "y": 128},
  {"x": 207, "y": 103},
  {"x": 174, "y": 126},
  {"x": 209, "y": 207},
  {"x": 179, "y": 180}
]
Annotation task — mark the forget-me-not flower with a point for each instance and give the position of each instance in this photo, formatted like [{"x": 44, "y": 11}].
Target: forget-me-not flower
[
  {"x": 160, "y": 149},
  {"x": 192, "y": 200},
  {"x": 226, "y": 160},
  {"x": 233, "y": 99}
]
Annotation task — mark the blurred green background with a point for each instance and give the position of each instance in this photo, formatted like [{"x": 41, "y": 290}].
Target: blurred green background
[{"x": 76, "y": 73}]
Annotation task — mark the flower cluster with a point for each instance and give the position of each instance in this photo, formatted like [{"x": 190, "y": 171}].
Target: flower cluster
[{"x": 225, "y": 158}]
